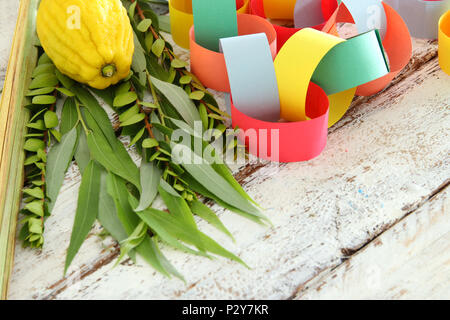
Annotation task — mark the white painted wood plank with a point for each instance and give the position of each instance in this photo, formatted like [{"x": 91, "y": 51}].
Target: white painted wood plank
[
  {"x": 391, "y": 154},
  {"x": 409, "y": 261}
]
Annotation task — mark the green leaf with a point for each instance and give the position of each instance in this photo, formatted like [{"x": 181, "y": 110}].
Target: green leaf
[
  {"x": 35, "y": 193},
  {"x": 87, "y": 210},
  {"x": 65, "y": 81},
  {"x": 118, "y": 163},
  {"x": 144, "y": 25},
  {"x": 164, "y": 223},
  {"x": 163, "y": 229},
  {"x": 107, "y": 95},
  {"x": 66, "y": 92},
  {"x": 164, "y": 23},
  {"x": 44, "y": 59},
  {"x": 179, "y": 99},
  {"x": 123, "y": 88},
  {"x": 30, "y": 160},
  {"x": 148, "y": 41},
  {"x": 36, "y": 207},
  {"x": 42, "y": 155},
  {"x": 82, "y": 154},
  {"x": 208, "y": 215},
  {"x": 197, "y": 95},
  {"x": 163, "y": 260},
  {"x": 133, "y": 119},
  {"x": 125, "y": 99},
  {"x": 150, "y": 176},
  {"x": 166, "y": 187},
  {"x": 205, "y": 174},
  {"x": 185, "y": 79},
  {"x": 194, "y": 185},
  {"x": 34, "y": 145},
  {"x": 204, "y": 115},
  {"x": 50, "y": 119},
  {"x": 35, "y": 225},
  {"x": 149, "y": 105},
  {"x": 58, "y": 160},
  {"x": 149, "y": 143},
  {"x": 137, "y": 137},
  {"x": 99, "y": 118},
  {"x": 177, "y": 205},
  {"x": 129, "y": 113},
  {"x": 118, "y": 191},
  {"x": 43, "y": 69},
  {"x": 225, "y": 172},
  {"x": 177, "y": 63},
  {"x": 132, "y": 9},
  {"x": 139, "y": 63},
  {"x": 40, "y": 91},
  {"x": 107, "y": 214},
  {"x": 38, "y": 125},
  {"x": 69, "y": 116},
  {"x": 56, "y": 134},
  {"x": 44, "y": 99},
  {"x": 158, "y": 47},
  {"x": 44, "y": 80},
  {"x": 135, "y": 239}
]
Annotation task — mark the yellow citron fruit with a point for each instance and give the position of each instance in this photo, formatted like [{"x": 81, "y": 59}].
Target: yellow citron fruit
[{"x": 91, "y": 41}]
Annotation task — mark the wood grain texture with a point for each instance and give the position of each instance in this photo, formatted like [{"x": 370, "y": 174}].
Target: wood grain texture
[
  {"x": 383, "y": 162},
  {"x": 397, "y": 264}
]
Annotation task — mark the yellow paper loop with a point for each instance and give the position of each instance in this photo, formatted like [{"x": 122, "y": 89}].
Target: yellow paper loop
[
  {"x": 279, "y": 9},
  {"x": 304, "y": 51}
]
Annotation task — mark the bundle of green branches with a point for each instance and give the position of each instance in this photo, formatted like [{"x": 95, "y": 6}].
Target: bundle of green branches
[{"x": 159, "y": 97}]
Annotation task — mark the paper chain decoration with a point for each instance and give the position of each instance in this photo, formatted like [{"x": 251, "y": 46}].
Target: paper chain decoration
[{"x": 288, "y": 85}]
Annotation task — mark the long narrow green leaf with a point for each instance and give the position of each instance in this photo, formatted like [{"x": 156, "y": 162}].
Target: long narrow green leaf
[
  {"x": 199, "y": 188},
  {"x": 118, "y": 191},
  {"x": 69, "y": 116},
  {"x": 150, "y": 176},
  {"x": 107, "y": 214},
  {"x": 208, "y": 215},
  {"x": 103, "y": 153},
  {"x": 99, "y": 115},
  {"x": 177, "y": 205},
  {"x": 87, "y": 210},
  {"x": 163, "y": 260},
  {"x": 58, "y": 160},
  {"x": 205, "y": 174},
  {"x": 179, "y": 100},
  {"x": 82, "y": 153},
  {"x": 225, "y": 172},
  {"x": 184, "y": 232}
]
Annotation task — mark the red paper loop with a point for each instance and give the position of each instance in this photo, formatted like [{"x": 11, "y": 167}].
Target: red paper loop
[{"x": 297, "y": 141}]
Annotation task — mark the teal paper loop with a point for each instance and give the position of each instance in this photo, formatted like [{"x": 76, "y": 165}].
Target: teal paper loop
[
  {"x": 367, "y": 14},
  {"x": 421, "y": 17},
  {"x": 252, "y": 76},
  {"x": 213, "y": 20},
  {"x": 352, "y": 63}
]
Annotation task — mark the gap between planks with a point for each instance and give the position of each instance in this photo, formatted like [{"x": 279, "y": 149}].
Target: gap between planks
[{"x": 370, "y": 274}]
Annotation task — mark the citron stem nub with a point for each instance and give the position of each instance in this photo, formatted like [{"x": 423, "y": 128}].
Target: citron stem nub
[{"x": 109, "y": 70}]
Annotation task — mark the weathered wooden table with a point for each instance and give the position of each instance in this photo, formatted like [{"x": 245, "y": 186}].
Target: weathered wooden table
[{"x": 369, "y": 218}]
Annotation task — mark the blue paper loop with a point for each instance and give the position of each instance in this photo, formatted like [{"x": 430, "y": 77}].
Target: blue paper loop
[{"x": 252, "y": 76}]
